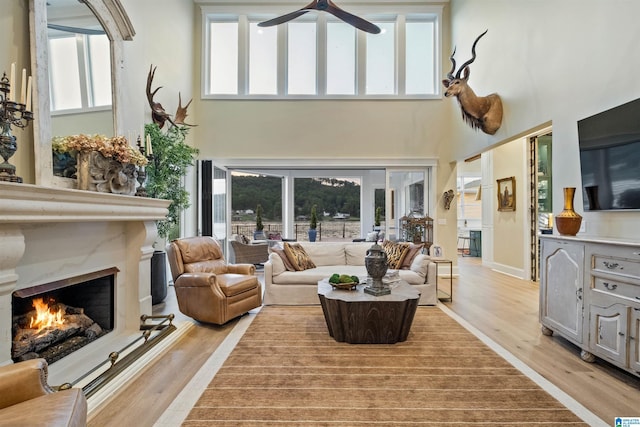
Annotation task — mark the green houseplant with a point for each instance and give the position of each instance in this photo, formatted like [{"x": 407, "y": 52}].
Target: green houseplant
[
  {"x": 313, "y": 224},
  {"x": 170, "y": 159},
  {"x": 169, "y": 163},
  {"x": 378, "y": 217},
  {"x": 259, "y": 233}
]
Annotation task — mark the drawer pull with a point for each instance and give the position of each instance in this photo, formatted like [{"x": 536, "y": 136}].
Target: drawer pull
[
  {"x": 621, "y": 334},
  {"x": 611, "y": 265},
  {"x": 610, "y": 286}
]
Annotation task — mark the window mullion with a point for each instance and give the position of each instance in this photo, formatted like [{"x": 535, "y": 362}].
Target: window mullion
[
  {"x": 321, "y": 74},
  {"x": 81, "y": 44},
  {"x": 401, "y": 52},
  {"x": 243, "y": 55}
]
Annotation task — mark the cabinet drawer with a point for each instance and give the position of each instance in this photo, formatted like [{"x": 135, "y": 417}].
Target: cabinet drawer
[
  {"x": 616, "y": 265},
  {"x": 616, "y": 288}
]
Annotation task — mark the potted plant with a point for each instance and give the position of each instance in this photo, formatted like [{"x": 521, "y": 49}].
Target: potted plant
[
  {"x": 166, "y": 169},
  {"x": 313, "y": 224},
  {"x": 377, "y": 218},
  {"x": 258, "y": 234}
]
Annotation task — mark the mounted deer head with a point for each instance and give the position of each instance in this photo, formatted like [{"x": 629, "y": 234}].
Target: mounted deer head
[{"x": 480, "y": 112}]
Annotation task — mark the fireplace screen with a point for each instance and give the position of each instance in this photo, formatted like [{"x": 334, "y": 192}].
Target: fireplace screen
[{"x": 53, "y": 320}]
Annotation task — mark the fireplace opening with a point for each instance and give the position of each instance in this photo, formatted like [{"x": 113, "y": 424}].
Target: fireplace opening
[{"x": 55, "y": 319}]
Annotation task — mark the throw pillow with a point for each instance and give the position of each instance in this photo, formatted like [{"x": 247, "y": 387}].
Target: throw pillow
[
  {"x": 298, "y": 256},
  {"x": 414, "y": 249},
  {"x": 279, "y": 250},
  {"x": 395, "y": 253},
  {"x": 372, "y": 237}
]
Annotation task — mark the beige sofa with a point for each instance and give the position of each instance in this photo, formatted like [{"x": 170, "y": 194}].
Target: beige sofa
[{"x": 283, "y": 287}]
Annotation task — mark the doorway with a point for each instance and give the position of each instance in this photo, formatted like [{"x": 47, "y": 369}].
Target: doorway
[{"x": 541, "y": 198}]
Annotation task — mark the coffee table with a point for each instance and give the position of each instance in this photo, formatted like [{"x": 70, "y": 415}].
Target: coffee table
[{"x": 356, "y": 317}]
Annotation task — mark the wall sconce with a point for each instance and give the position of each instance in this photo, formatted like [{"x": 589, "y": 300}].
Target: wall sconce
[{"x": 448, "y": 198}]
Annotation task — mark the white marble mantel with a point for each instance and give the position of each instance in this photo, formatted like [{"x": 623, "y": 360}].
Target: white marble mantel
[{"x": 49, "y": 234}]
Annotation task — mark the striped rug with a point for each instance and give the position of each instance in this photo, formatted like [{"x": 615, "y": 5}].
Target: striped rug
[{"x": 287, "y": 370}]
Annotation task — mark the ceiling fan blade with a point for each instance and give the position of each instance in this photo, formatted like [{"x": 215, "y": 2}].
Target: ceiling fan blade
[
  {"x": 351, "y": 19},
  {"x": 282, "y": 19}
]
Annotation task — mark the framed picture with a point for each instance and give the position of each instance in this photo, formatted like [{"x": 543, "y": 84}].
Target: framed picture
[
  {"x": 507, "y": 194},
  {"x": 436, "y": 251}
]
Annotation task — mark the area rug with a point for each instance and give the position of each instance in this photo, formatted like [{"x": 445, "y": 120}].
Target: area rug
[{"x": 287, "y": 370}]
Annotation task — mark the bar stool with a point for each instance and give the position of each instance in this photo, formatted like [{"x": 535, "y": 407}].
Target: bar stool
[{"x": 465, "y": 241}]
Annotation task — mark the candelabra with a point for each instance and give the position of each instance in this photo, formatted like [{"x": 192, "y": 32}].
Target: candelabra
[
  {"x": 11, "y": 114},
  {"x": 142, "y": 172}
]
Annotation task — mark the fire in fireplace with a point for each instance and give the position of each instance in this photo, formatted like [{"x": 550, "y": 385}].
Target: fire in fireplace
[{"x": 53, "y": 320}]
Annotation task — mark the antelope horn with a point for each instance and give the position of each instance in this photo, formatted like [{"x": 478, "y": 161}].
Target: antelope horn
[
  {"x": 473, "y": 55},
  {"x": 453, "y": 66}
]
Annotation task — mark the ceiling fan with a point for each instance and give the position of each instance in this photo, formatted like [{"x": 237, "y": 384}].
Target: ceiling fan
[{"x": 326, "y": 6}]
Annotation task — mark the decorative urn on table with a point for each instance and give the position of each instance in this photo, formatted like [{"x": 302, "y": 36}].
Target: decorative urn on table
[
  {"x": 568, "y": 221},
  {"x": 376, "y": 263}
]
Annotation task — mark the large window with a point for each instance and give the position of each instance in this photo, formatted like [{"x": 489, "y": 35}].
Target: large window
[{"x": 319, "y": 56}]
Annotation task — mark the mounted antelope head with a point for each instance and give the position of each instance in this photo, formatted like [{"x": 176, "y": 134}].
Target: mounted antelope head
[{"x": 480, "y": 112}]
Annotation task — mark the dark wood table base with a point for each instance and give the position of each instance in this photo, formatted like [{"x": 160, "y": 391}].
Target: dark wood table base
[{"x": 358, "y": 318}]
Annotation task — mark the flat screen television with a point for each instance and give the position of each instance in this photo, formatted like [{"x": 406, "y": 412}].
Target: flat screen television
[{"x": 610, "y": 158}]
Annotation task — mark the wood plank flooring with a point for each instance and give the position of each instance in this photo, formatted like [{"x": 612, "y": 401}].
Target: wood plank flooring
[{"x": 502, "y": 307}]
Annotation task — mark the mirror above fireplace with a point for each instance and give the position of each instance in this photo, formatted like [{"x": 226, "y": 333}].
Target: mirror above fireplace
[{"x": 115, "y": 23}]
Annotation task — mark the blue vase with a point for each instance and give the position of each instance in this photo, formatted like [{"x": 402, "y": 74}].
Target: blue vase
[{"x": 312, "y": 234}]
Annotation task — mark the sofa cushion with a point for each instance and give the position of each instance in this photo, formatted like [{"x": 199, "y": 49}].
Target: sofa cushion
[
  {"x": 298, "y": 256},
  {"x": 395, "y": 253},
  {"x": 325, "y": 253},
  {"x": 313, "y": 275},
  {"x": 355, "y": 252},
  {"x": 414, "y": 249}
]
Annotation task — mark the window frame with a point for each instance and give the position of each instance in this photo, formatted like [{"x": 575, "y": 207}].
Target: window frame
[
  {"x": 86, "y": 77},
  {"x": 245, "y": 13}
]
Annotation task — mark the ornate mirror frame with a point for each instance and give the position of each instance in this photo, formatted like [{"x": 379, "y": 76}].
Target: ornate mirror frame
[{"x": 118, "y": 27}]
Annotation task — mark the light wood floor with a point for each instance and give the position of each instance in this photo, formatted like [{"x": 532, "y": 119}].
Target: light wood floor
[{"x": 502, "y": 307}]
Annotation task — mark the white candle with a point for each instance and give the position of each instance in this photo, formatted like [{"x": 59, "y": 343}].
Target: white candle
[
  {"x": 23, "y": 88},
  {"x": 28, "y": 107},
  {"x": 12, "y": 81},
  {"x": 149, "y": 147}
]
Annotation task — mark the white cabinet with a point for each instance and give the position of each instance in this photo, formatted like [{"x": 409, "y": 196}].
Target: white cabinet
[
  {"x": 561, "y": 297},
  {"x": 590, "y": 295}
]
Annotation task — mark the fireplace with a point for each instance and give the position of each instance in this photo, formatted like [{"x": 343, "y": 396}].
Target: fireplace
[
  {"x": 54, "y": 235},
  {"x": 55, "y": 319}
]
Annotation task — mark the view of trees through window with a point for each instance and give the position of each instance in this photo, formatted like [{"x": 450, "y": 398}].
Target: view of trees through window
[{"x": 332, "y": 196}]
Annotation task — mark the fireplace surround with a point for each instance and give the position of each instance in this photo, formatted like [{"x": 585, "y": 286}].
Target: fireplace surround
[{"x": 54, "y": 234}]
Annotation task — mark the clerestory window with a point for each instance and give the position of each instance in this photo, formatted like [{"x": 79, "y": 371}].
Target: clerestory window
[{"x": 318, "y": 56}]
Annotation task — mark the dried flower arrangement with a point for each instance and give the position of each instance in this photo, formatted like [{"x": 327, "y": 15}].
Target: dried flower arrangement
[{"x": 117, "y": 147}]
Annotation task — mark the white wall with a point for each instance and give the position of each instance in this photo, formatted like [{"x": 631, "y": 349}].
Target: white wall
[{"x": 552, "y": 62}]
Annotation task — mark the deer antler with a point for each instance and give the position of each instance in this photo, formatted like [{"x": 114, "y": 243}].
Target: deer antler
[
  {"x": 158, "y": 114},
  {"x": 181, "y": 112},
  {"x": 473, "y": 57}
]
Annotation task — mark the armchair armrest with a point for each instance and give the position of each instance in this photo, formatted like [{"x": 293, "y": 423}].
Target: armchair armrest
[
  {"x": 195, "y": 280},
  {"x": 241, "y": 269},
  {"x": 23, "y": 381}
]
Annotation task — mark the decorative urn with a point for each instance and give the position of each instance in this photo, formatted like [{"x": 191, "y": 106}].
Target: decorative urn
[{"x": 376, "y": 263}]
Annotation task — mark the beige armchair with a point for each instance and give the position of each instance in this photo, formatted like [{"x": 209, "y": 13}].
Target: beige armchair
[
  {"x": 27, "y": 400},
  {"x": 207, "y": 288}
]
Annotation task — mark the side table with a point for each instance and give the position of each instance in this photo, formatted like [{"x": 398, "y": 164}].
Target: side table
[{"x": 438, "y": 261}]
